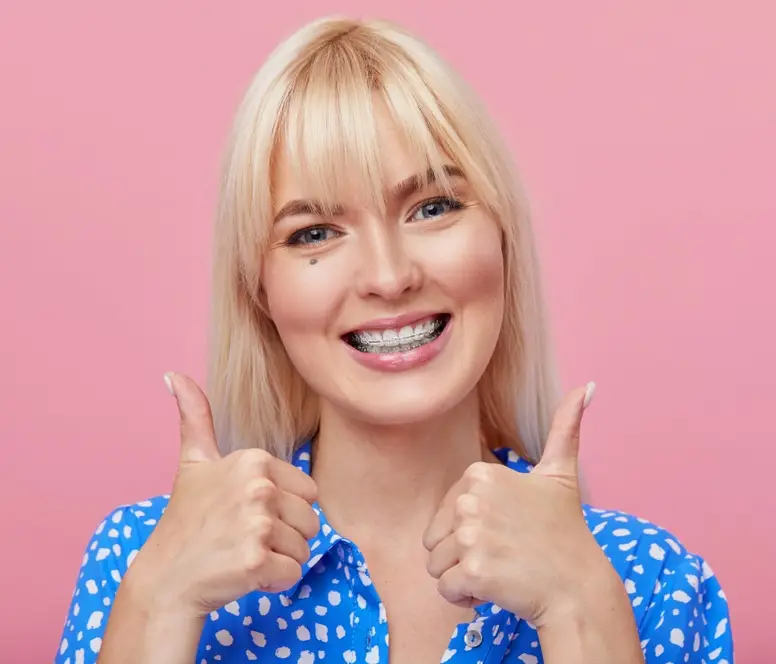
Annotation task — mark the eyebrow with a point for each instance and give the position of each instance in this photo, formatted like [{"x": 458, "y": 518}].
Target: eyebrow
[
  {"x": 304, "y": 206},
  {"x": 415, "y": 183},
  {"x": 403, "y": 190}
]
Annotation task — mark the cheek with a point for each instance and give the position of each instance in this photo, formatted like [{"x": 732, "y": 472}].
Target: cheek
[
  {"x": 302, "y": 299},
  {"x": 469, "y": 266}
]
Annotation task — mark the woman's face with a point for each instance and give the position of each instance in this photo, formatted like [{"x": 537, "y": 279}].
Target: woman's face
[{"x": 391, "y": 318}]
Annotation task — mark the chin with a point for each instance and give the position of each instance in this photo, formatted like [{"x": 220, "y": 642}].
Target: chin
[
  {"x": 398, "y": 411},
  {"x": 405, "y": 400}
]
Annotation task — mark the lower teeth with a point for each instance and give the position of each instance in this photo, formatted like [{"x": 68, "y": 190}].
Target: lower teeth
[{"x": 393, "y": 348}]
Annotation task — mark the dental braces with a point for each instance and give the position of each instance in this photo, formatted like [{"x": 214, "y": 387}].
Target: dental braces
[
  {"x": 401, "y": 343},
  {"x": 423, "y": 337}
]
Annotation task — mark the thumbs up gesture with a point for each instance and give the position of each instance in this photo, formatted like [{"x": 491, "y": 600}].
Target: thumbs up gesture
[
  {"x": 518, "y": 540},
  {"x": 233, "y": 524}
]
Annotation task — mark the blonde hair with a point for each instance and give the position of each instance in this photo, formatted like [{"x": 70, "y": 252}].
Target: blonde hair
[{"x": 314, "y": 99}]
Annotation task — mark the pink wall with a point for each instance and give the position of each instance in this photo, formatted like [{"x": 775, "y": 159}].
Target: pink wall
[{"x": 646, "y": 133}]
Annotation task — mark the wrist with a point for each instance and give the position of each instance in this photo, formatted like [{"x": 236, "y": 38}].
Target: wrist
[
  {"x": 595, "y": 589},
  {"x": 147, "y": 625},
  {"x": 593, "y": 623},
  {"x": 152, "y": 590}
]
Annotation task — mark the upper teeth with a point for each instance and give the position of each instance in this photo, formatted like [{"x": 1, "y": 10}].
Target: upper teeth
[{"x": 403, "y": 335}]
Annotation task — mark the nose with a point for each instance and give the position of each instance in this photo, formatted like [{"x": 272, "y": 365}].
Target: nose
[{"x": 387, "y": 270}]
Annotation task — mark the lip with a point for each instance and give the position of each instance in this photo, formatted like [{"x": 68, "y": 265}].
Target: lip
[
  {"x": 396, "y": 322},
  {"x": 410, "y": 359}
]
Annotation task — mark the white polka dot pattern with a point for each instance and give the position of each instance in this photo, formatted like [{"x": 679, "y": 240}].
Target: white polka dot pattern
[{"x": 334, "y": 613}]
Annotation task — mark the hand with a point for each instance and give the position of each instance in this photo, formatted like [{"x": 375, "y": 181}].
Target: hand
[
  {"x": 519, "y": 540},
  {"x": 232, "y": 525}
]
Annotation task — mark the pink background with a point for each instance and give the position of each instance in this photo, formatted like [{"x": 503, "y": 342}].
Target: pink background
[{"x": 646, "y": 133}]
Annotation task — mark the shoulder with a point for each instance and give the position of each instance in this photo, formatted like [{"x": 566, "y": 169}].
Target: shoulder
[
  {"x": 624, "y": 535},
  {"x": 678, "y": 602},
  {"x": 109, "y": 552},
  {"x": 142, "y": 516},
  {"x": 640, "y": 549},
  {"x": 122, "y": 532}
]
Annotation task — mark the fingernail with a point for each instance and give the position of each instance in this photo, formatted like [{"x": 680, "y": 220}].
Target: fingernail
[
  {"x": 168, "y": 382},
  {"x": 588, "y": 395}
]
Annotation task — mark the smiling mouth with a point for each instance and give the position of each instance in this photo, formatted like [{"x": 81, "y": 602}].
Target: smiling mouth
[{"x": 401, "y": 340}]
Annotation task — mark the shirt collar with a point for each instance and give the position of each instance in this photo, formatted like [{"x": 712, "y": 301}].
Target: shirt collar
[{"x": 326, "y": 538}]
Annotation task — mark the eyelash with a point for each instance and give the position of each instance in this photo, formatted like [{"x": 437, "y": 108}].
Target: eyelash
[
  {"x": 296, "y": 238},
  {"x": 454, "y": 203}
]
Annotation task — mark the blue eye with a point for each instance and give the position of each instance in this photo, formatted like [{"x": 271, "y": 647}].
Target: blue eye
[
  {"x": 312, "y": 235},
  {"x": 436, "y": 208}
]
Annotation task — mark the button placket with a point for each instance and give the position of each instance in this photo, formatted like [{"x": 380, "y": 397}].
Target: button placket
[
  {"x": 366, "y": 607},
  {"x": 486, "y": 639}
]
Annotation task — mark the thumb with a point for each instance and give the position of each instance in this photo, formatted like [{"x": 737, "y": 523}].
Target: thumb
[
  {"x": 562, "y": 448},
  {"x": 198, "y": 438}
]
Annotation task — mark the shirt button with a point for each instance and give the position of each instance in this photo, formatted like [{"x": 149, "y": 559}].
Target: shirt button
[{"x": 473, "y": 638}]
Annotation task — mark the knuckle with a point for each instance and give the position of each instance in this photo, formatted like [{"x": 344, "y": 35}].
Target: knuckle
[
  {"x": 471, "y": 566},
  {"x": 260, "y": 528},
  {"x": 254, "y": 558},
  {"x": 196, "y": 419},
  {"x": 199, "y": 410},
  {"x": 467, "y": 536},
  {"x": 479, "y": 472},
  {"x": 467, "y": 505},
  {"x": 261, "y": 490},
  {"x": 475, "y": 571},
  {"x": 254, "y": 461}
]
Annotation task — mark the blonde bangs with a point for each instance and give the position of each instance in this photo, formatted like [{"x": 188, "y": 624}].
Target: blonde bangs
[{"x": 327, "y": 127}]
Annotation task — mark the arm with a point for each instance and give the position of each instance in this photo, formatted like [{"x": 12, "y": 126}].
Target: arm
[
  {"x": 114, "y": 617},
  {"x": 141, "y": 629},
  {"x": 598, "y": 626}
]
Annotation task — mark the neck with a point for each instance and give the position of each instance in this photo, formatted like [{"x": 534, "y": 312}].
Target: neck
[{"x": 388, "y": 481}]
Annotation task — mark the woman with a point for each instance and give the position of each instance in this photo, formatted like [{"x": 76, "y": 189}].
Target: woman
[{"x": 390, "y": 458}]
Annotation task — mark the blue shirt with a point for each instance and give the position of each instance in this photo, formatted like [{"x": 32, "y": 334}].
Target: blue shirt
[{"x": 334, "y": 614}]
